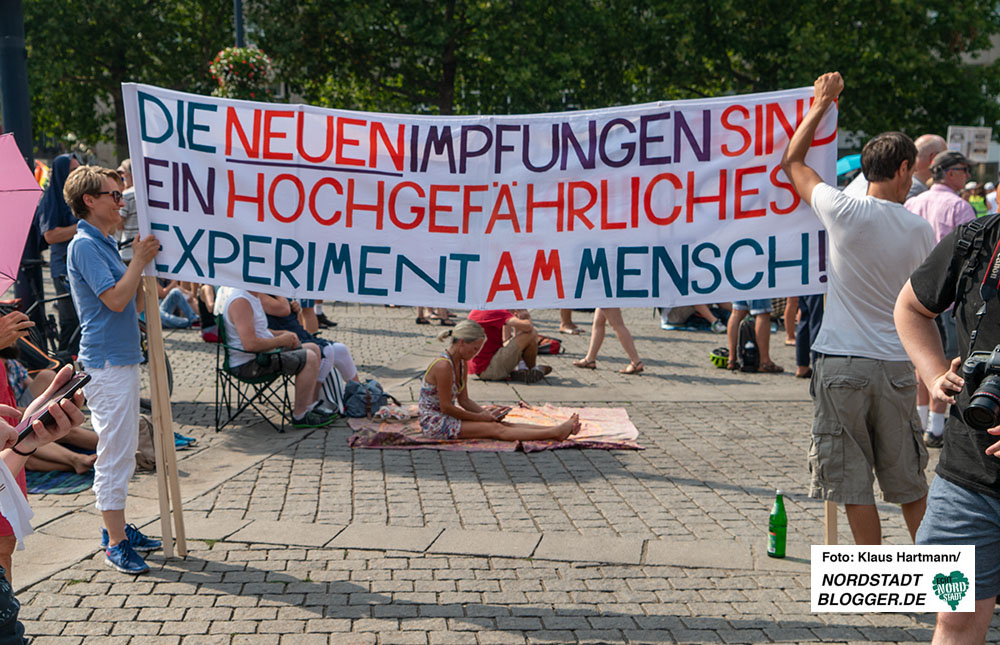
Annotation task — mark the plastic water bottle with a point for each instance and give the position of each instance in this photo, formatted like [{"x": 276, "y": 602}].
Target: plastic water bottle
[{"x": 777, "y": 527}]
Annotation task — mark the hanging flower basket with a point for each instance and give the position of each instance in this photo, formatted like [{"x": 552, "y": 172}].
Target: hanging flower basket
[{"x": 242, "y": 73}]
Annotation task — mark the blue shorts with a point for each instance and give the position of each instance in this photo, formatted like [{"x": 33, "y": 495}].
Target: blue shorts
[
  {"x": 306, "y": 303},
  {"x": 957, "y": 516},
  {"x": 755, "y": 306}
]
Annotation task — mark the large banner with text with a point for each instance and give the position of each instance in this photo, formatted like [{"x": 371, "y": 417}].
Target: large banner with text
[{"x": 667, "y": 203}]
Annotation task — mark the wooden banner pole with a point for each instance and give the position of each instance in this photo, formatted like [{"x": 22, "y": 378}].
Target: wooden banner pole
[
  {"x": 163, "y": 430},
  {"x": 830, "y": 522}
]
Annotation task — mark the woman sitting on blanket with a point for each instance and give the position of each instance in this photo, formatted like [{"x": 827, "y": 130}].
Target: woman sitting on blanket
[{"x": 441, "y": 418}]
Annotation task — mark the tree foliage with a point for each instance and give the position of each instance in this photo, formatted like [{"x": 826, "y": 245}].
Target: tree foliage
[
  {"x": 909, "y": 65},
  {"x": 80, "y": 53}
]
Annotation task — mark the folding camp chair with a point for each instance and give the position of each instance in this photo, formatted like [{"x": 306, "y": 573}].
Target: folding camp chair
[{"x": 235, "y": 393}]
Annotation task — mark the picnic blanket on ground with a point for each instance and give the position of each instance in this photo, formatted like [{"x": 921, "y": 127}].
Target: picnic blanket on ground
[
  {"x": 602, "y": 428},
  {"x": 58, "y": 482}
]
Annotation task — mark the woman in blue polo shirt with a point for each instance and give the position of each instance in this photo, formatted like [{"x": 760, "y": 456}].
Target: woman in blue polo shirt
[{"x": 105, "y": 293}]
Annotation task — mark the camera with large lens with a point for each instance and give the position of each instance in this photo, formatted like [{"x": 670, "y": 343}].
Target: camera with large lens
[{"x": 981, "y": 372}]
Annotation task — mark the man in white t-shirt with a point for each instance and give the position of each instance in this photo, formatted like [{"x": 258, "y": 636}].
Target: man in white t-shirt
[{"x": 864, "y": 388}]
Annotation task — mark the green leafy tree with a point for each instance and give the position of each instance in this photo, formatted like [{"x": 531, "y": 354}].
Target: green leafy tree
[{"x": 79, "y": 54}]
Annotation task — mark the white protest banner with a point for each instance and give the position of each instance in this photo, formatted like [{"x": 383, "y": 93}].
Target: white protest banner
[{"x": 666, "y": 203}]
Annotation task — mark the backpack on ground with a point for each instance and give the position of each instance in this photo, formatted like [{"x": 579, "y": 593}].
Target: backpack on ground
[
  {"x": 746, "y": 346},
  {"x": 365, "y": 399},
  {"x": 548, "y": 345}
]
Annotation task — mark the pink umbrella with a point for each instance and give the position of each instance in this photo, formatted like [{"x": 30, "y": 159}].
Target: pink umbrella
[{"x": 19, "y": 194}]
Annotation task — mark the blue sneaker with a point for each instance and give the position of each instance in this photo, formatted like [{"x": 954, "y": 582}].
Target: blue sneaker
[
  {"x": 125, "y": 559},
  {"x": 136, "y": 539}
]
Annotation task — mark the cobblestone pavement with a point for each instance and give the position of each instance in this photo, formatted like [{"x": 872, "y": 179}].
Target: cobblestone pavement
[{"x": 297, "y": 538}]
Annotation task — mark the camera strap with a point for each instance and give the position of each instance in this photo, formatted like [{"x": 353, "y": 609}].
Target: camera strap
[{"x": 991, "y": 280}]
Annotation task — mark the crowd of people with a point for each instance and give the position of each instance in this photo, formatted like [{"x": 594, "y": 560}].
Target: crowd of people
[{"x": 909, "y": 246}]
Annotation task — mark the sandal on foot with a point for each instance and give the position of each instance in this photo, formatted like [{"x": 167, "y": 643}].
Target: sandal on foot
[
  {"x": 422, "y": 321},
  {"x": 447, "y": 322},
  {"x": 808, "y": 374},
  {"x": 572, "y": 332},
  {"x": 633, "y": 368},
  {"x": 587, "y": 365},
  {"x": 771, "y": 368},
  {"x": 734, "y": 365}
]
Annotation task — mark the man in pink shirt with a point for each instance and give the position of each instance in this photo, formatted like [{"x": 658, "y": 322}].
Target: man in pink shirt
[{"x": 944, "y": 210}]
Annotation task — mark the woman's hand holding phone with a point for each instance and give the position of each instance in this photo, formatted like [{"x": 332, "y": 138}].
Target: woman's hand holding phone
[{"x": 63, "y": 415}]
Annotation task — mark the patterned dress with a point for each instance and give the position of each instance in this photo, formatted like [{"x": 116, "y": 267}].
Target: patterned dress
[{"x": 434, "y": 423}]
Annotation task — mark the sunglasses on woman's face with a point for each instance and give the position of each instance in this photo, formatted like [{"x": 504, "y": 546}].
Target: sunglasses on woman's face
[{"x": 115, "y": 194}]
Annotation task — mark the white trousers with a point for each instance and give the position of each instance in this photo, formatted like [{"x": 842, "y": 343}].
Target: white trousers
[
  {"x": 113, "y": 398},
  {"x": 336, "y": 355}
]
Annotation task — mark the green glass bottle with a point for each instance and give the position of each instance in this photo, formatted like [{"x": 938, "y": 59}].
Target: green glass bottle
[{"x": 777, "y": 526}]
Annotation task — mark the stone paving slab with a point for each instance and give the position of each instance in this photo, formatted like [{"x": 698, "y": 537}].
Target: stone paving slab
[
  {"x": 200, "y": 527},
  {"x": 713, "y": 554},
  {"x": 571, "y": 547},
  {"x": 286, "y": 533},
  {"x": 374, "y": 536},
  {"x": 485, "y": 543}
]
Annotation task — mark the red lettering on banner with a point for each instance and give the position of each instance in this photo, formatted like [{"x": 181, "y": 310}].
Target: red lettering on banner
[
  {"x": 720, "y": 198},
  {"x": 758, "y": 129},
  {"x": 739, "y": 193},
  {"x": 233, "y": 124},
  {"x": 253, "y": 199},
  {"x": 343, "y": 141},
  {"x": 557, "y": 203},
  {"x": 378, "y": 207},
  {"x": 635, "y": 201},
  {"x": 774, "y": 111},
  {"x": 270, "y": 115},
  {"x": 468, "y": 208},
  {"x": 648, "y": 198},
  {"x": 777, "y": 183},
  {"x": 546, "y": 269},
  {"x": 417, "y": 211},
  {"x": 572, "y": 211},
  {"x": 300, "y": 201},
  {"x": 504, "y": 266},
  {"x": 435, "y": 208},
  {"x": 325, "y": 181},
  {"x": 300, "y": 139},
  {"x": 732, "y": 127},
  {"x": 503, "y": 199},
  {"x": 396, "y": 154},
  {"x": 605, "y": 224}
]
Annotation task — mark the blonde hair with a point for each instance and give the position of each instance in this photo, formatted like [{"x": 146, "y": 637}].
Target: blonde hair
[
  {"x": 467, "y": 331},
  {"x": 85, "y": 180}
]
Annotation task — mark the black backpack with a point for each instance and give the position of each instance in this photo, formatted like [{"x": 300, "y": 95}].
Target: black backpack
[{"x": 746, "y": 346}]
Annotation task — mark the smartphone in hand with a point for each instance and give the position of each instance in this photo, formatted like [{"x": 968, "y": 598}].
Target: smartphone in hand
[{"x": 67, "y": 391}]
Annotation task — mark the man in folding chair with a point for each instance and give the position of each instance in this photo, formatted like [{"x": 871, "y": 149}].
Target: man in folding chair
[{"x": 246, "y": 330}]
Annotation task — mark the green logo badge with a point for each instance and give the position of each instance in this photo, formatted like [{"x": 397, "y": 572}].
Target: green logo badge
[{"x": 951, "y": 587}]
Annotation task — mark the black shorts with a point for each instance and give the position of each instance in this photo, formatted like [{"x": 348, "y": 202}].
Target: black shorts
[{"x": 288, "y": 361}]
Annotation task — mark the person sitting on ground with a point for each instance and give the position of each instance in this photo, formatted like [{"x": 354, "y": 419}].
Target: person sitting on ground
[
  {"x": 612, "y": 315},
  {"x": 510, "y": 339},
  {"x": 680, "y": 317},
  {"x": 457, "y": 416},
  {"x": 247, "y": 333},
  {"x": 282, "y": 313},
  {"x": 175, "y": 306},
  {"x": 761, "y": 311}
]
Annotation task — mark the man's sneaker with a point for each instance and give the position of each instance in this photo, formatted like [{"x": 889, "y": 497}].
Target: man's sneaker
[
  {"x": 136, "y": 539},
  {"x": 519, "y": 376},
  {"x": 666, "y": 326},
  {"x": 311, "y": 419},
  {"x": 933, "y": 440},
  {"x": 545, "y": 369},
  {"x": 718, "y": 327},
  {"x": 124, "y": 558}
]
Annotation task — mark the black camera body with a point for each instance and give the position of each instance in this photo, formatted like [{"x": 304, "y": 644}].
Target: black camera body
[{"x": 981, "y": 372}]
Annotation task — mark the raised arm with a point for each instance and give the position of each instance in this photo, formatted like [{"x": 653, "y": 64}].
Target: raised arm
[{"x": 826, "y": 90}]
